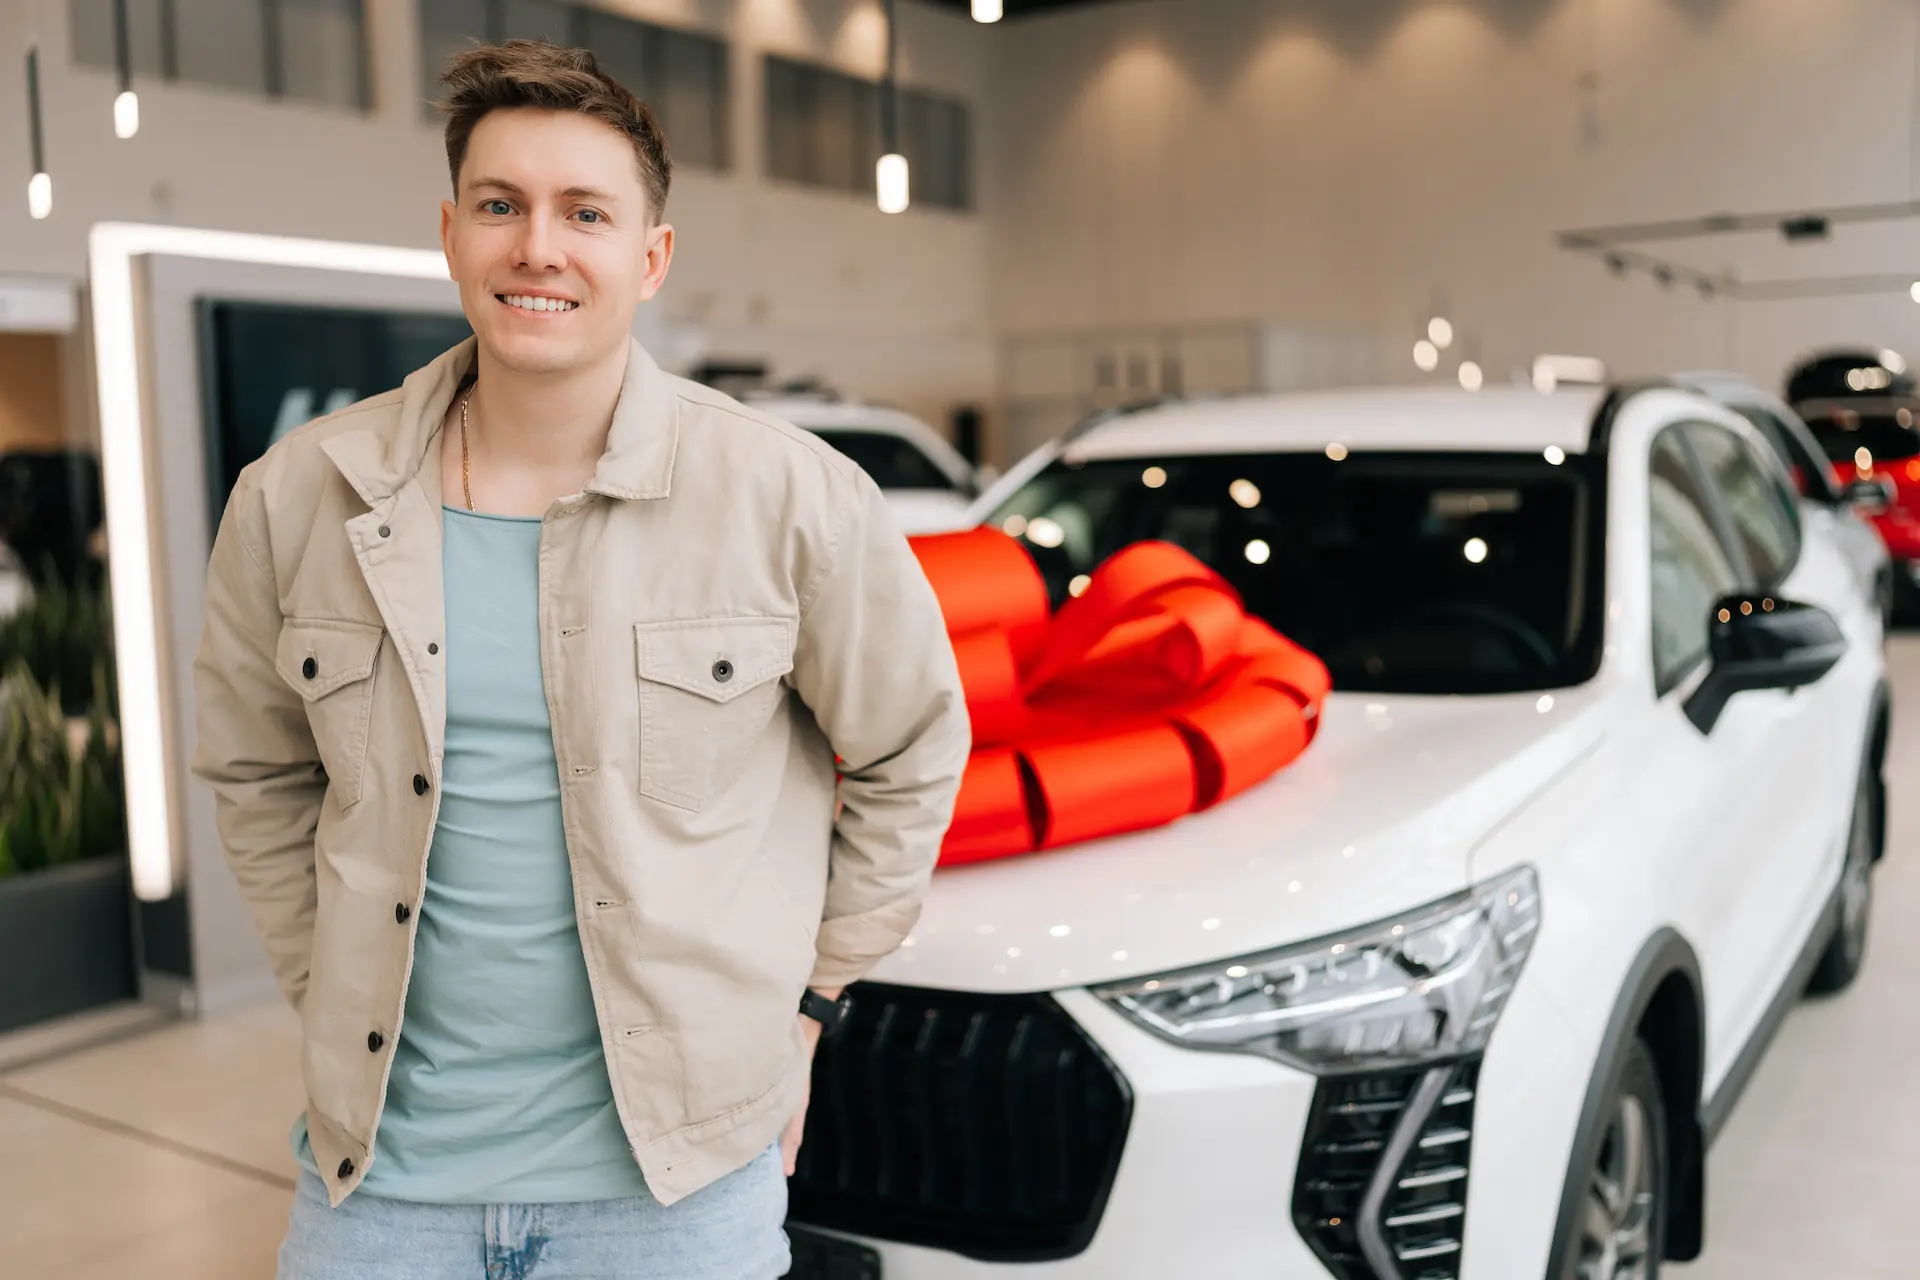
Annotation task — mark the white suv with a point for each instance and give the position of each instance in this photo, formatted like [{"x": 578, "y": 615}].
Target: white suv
[
  {"x": 927, "y": 483},
  {"x": 1467, "y": 988}
]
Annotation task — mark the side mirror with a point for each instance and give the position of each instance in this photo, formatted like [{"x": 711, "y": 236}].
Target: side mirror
[
  {"x": 1762, "y": 642},
  {"x": 1870, "y": 495}
]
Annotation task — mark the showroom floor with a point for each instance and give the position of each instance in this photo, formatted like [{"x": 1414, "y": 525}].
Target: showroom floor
[{"x": 165, "y": 1155}]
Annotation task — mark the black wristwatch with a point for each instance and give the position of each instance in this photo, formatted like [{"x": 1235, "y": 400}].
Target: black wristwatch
[{"x": 828, "y": 1013}]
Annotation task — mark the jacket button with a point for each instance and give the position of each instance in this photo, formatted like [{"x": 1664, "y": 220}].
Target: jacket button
[
  {"x": 433, "y": 648},
  {"x": 374, "y": 1041},
  {"x": 346, "y": 1170},
  {"x": 386, "y": 531},
  {"x": 419, "y": 784},
  {"x": 400, "y": 912},
  {"x": 309, "y": 668},
  {"x": 723, "y": 671}
]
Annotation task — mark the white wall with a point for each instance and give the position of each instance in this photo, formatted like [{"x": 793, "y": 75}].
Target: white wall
[
  {"x": 816, "y": 281},
  {"x": 1341, "y": 164}
]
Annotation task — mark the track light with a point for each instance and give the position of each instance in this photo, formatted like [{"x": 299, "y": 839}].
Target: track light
[
  {"x": 1440, "y": 332},
  {"x": 988, "y": 10},
  {"x": 126, "y": 106},
  {"x": 891, "y": 180},
  {"x": 126, "y": 114}
]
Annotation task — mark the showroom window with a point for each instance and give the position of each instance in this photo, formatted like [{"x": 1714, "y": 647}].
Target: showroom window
[
  {"x": 1765, "y": 517},
  {"x": 680, "y": 74},
  {"x": 308, "y": 50},
  {"x": 1691, "y": 569},
  {"x": 823, "y": 129}
]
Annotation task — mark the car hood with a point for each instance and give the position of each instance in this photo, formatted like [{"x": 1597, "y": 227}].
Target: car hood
[
  {"x": 926, "y": 510},
  {"x": 1378, "y": 816}
]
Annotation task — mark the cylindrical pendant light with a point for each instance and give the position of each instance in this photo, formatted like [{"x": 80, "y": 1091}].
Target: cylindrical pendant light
[
  {"x": 890, "y": 177},
  {"x": 988, "y": 10},
  {"x": 40, "y": 185},
  {"x": 126, "y": 106}
]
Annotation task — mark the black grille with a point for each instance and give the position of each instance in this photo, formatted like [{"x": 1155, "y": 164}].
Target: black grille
[
  {"x": 987, "y": 1125},
  {"x": 1422, "y": 1218}
]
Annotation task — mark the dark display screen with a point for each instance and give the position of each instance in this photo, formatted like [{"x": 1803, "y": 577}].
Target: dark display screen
[{"x": 268, "y": 367}]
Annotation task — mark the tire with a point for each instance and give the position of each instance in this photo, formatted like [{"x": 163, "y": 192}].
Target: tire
[
  {"x": 1840, "y": 963},
  {"x": 1620, "y": 1227}
]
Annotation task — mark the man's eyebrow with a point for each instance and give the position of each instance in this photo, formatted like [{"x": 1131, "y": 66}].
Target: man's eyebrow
[{"x": 574, "y": 193}]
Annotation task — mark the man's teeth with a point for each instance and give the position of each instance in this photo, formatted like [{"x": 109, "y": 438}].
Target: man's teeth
[{"x": 528, "y": 302}]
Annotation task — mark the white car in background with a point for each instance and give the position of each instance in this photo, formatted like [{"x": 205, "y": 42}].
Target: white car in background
[
  {"x": 1467, "y": 988},
  {"x": 928, "y": 485},
  {"x": 1842, "y": 508}
]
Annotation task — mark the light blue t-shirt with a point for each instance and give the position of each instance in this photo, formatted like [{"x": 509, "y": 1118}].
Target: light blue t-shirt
[{"x": 499, "y": 1090}]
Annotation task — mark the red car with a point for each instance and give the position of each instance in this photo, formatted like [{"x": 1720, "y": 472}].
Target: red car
[{"x": 1876, "y": 438}]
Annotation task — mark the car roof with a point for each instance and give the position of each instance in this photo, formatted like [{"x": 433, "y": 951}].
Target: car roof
[
  {"x": 816, "y": 412},
  {"x": 1497, "y": 419}
]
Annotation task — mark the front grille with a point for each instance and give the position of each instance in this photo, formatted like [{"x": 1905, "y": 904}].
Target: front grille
[
  {"x": 1382, "y": 1189},
  {"x": 987, "y": 1125}
]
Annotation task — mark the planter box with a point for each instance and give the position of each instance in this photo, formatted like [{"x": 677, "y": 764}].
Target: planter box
[{"x": 66, "y": 940}]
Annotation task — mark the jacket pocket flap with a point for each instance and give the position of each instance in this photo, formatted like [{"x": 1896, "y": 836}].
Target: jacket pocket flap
[
  {"x": 716, "y": 658},
  {"x": 317, "y": 656}
]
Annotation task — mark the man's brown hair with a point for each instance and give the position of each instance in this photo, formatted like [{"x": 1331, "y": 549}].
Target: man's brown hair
[{"x": 550, "y": 77}]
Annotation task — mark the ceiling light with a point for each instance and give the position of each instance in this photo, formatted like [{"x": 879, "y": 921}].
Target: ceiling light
[
  {"x": 40, "y": 185},
  {"x": 1440, "y": 331},
  {"x": 40, "y": 195},
  {"x": 890, "y": 178},
  {"x": 1426, "y": 356},
  {"x": 1914, "y": 291},
  {"x": 1893, "y": 362},
  {"x": 1555, "y": 455},
  {"x": 1863, "y": 460},
  {"x": 1258, "y": 552},
  {"x": 987, "y": 10},
  {"x": 1470, "y": 375},
  {"x": 1337, "y": 451},
  {"x": 1475, "y": 550},
  {"x": 126, "y": 114},
  {"x": 1245, "y": 493},
  {"x": 1153, "y": 477}
]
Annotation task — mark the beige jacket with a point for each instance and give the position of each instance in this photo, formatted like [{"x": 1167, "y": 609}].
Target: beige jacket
[{"x": 726, "y": 608}]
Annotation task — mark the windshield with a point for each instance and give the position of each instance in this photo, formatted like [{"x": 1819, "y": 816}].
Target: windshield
[
  {"x": 1404, "y": 572},
  {"x": 1885, "y": 434},
  {"x": 893, "y": 461}
]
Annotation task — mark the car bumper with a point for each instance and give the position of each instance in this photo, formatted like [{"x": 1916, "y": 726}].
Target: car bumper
[{"x": 1206, "y": 1183}]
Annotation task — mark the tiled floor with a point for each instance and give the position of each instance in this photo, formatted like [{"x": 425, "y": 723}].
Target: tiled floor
[{"x": 164, "y": 1157}]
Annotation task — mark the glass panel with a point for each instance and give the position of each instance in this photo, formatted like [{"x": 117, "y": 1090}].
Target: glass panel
[
  {"x": 690, "y": 97},
  {"x": 537, "y": 20},
  {"x": 1691, "y": 570},
  {"x": 788, "y": 110},
  {"x": 92, "y": 25},
  {"x": 892, "y": 461},
  {"x": 323, "y": 51},
  {"x": 222, "y": 42},
  {"x": 620, "y": 46},
  {"x": 1764, "y": 517},
  {"x": 446, "y": 27},
  {"x": 1408, "y": 573}
]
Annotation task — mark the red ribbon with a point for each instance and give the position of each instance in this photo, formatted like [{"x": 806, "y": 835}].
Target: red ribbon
[{"x": 1149, "y": 696}]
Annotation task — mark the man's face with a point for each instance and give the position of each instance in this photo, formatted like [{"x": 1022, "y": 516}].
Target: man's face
[{"x": 550, "y": 239}]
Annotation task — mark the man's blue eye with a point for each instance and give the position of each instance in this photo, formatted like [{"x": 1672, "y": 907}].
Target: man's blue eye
[
  {"x": 498, "y": 208},
  {"x": 590, "y": 215}
]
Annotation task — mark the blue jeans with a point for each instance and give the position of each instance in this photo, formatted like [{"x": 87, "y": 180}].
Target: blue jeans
[{"x": 730, "y": 1230}]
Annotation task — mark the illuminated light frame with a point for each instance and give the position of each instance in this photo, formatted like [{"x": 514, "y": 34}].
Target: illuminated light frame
[{"x": 112, "y": 248}]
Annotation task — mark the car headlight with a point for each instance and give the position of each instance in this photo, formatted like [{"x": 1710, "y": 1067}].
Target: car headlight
[{"x": 1429, "y": 984}]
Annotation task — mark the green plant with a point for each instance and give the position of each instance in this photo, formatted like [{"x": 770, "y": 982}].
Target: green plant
[
  {"x": 62, "y": 637},
  {"x": 58, "y": 804}
]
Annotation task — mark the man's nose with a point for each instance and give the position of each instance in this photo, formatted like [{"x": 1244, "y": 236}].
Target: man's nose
[{"x": 539, "y": 246}]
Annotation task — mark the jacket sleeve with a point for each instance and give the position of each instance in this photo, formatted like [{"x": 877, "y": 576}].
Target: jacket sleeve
[
  {"x": 254, "y": 747},
  {"x": 874, "y": 665}
]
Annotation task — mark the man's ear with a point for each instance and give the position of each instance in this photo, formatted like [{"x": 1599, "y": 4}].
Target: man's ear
[
  {"x": 446, "y": 232},
  {"x": 659, "y": 261}
]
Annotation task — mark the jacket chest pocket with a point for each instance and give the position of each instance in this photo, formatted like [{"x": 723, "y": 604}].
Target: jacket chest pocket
[
  {"x": 708, "y": 689},
  {"x": 330, "y": 665}
]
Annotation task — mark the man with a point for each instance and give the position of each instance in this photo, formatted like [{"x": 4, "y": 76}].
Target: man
[{"x": 521, "y": 694}]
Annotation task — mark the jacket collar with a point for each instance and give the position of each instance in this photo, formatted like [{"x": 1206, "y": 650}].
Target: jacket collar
[{"x": 380, "y": 461}]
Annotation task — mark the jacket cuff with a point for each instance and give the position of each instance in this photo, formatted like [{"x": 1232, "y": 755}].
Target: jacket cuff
[{"x": 849, "y": 946}]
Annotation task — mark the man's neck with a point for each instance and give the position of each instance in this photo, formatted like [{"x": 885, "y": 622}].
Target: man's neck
[{"x": 547, "y": 420}]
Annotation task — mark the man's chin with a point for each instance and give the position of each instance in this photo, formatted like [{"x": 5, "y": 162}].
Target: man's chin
[{"x": 537, "y": 358}]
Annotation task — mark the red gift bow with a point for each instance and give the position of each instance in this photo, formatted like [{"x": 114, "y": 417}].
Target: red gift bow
[{"x": 1149, "y": 696}]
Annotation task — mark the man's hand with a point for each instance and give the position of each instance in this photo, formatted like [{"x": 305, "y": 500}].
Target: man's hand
[{"x": 797, "y": 1127}]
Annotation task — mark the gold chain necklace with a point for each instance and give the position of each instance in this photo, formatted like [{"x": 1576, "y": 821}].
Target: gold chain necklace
[{"x": 466, "y": 463}]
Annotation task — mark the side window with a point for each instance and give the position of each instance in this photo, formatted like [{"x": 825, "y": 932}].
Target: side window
[
  {"x": 1764, "y": 514},
  {"x": 1810, "y": 472},
  {"x": 1691, "y": 569}
]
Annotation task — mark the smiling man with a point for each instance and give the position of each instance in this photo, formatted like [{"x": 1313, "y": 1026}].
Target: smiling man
[{"x": 521, "y": 694}]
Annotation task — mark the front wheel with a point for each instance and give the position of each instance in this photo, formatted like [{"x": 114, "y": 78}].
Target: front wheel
[{"x": 1623, "y": 1206}]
